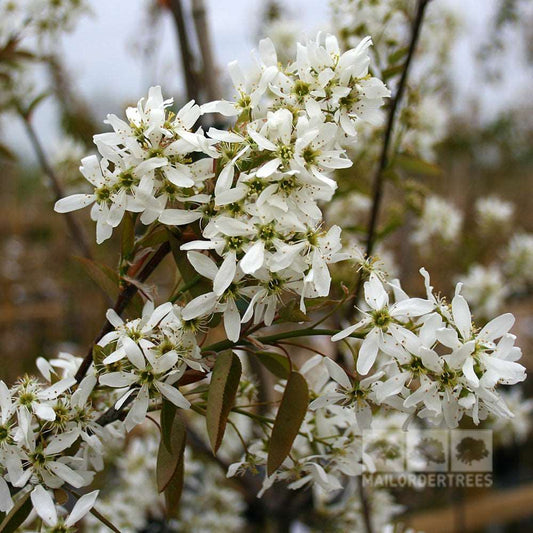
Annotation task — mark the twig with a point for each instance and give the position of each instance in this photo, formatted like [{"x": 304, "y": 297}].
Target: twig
[
  {"x": 209, "y": 74},
  {"x": 187, "y": 60},
  {"x": 365, "y": 506},
  {"x": 123, "y": 299},
  {"x": 379, "y": 178},
  {"x": 75, "y": 229}
]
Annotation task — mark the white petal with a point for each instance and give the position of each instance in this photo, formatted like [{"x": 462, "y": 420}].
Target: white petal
[
  {"x": 138, "y": 409},
  {"x": 66, "y": 473},
  {"x": 172, "y": 394},
  {"x": 61, "y": 442},
  {"x": 44, "y": 412},
  {"x": 225, "y": 275},
  {"x": 337, "y": 373},
  {"x": 6, "y": 503},
  {"x": 497, "y": 327},
  {"x": 368, "y": 352},
  {"x": 113, "y": 318},
  {"x": 178, "y": 217},
  {"x": 73, "y": 202},
  {"x": 203, "y": 264},
  {"x": 202, "y": 305},
  {"x": 268, "y": 168},
  {"x": 82, "y": 507},
  {"x": 44, "y": 505},
  {"x": 412, "y": 307},
  {"x": 134, "y": 353},
  {"x": 253, "y": 259},
  {"x": 232, "y": 321},
  {"x": 117, "y": 379},
  {"x": 462, "y": 316},
  {"x": 375, "y": 294}
]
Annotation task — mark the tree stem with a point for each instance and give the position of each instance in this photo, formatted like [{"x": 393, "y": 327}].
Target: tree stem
[
  {"x": 384, "y": 158},
  {"x": 75, "y": 228},
  {"x": 121, "y": 303}
]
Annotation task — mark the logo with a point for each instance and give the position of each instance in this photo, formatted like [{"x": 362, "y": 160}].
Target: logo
[{"x": 428, "y": 458}]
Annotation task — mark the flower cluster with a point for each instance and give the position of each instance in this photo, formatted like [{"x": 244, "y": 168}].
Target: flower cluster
[
  {"x": 434, "y": 362},
  {"x": 41, "y": 423},
  {"x": 262, "y": 216},
  {"x": 439, "y": 219},
  {"x": 147, "y": 163},
  {"x": 146, "y": 357},
  {"x": 422, "y": 359}
]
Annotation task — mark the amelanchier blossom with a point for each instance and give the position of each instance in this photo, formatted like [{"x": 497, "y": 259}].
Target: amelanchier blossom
[{"x": 251, "y": 197}]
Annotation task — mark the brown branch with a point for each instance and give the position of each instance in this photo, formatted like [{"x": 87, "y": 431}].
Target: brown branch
[
  {"x": 187, "y": 59},
  {"x": 365, "y": 505},
  {"x": 123, "y": 299},
  {"x": 384, "y": 158},
  {"x": 74, "y": 226},
  {"x": 379, "y": 177},
  {"x": 203, "y": 34}
]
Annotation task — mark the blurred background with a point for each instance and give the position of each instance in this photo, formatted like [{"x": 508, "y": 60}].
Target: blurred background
[{"x": 459, "y": 202}]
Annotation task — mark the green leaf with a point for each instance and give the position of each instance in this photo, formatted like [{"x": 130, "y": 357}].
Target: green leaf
[
  {"x": 391, "y": 72},
  {"x": 128, "y": 236},
  {"x": 154, "y": 239},
  {"x": 274, "y": 362},
  {"x": 221, "y": 396},
  {"x": 166, "y": 418},
  {"x": 17, "y": 515},
  {"x": 416, "y": 165},
  {"x": 100, "y": 353},
  {"x": 186, "y": 269},
  {"x": 106, "y": 278},
  {"x": 292, "y": 313},
  {"x": 173, "y": 492},
  {"x": 290, "y": 416},
  {"x": 397, "y": 55},
  {"x": 169, "y": 457}
]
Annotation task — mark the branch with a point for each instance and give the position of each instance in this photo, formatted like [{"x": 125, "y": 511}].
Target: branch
[
  {"x": 124, "y": 298},
  {"x": 379, "y": 177},
  {"x": 384, "y": 159},
  {"x": 187, "y": 59},
  {"x": 209, "y": 74},
  {"x": 75, "y": 228}
]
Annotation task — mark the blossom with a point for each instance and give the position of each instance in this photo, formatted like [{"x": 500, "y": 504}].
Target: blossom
[
  {"x": 46, "y": 509},
  {"x": 439, "y": 219},
  {"x": 385, "y": 322}
]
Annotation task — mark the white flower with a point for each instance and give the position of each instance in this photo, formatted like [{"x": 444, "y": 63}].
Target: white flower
[
  {"x": 46, "y": 509},
  {"x": 439, "y": 218},
  {"x": 493, "y": 212},
  {"x": 385, "y": 322}
]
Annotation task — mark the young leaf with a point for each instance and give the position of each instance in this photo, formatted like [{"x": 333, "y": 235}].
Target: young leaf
[
  {"x": 106, "y": 278},
  {"x": 274, "y": 362},
  {"x": 186, "y": 270},
  {"x": 173, "y": 492},
  {"x": 154, "y": 239},
  {"x": 416, "y": 166},
  {"x": 128, "y": 236},
  {"x": 19, "y": 512},
  {"x": 221, "y": 396},
  {"x": 166, "y": 418},
  {"x": 169, "y": 457},
  {"x": 398, "y": 54},
  {"x": 290, "y": 416},
  {"x": 292, "y": 313}
]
